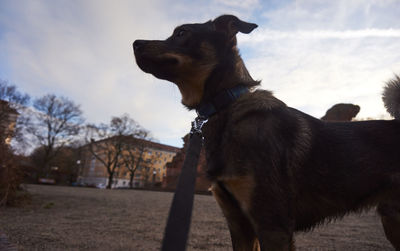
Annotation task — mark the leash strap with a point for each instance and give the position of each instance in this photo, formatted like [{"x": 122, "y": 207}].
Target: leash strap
[{"x": 178, "y": 224}]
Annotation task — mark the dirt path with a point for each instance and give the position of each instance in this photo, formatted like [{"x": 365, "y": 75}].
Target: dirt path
[{"x": 68, "y": 218}]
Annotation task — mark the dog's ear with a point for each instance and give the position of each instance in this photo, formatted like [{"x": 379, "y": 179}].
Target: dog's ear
[{"x": 232, "y": 25}]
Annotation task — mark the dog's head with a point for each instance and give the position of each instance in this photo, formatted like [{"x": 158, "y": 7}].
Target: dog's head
[{"x": 191, "y": 54}]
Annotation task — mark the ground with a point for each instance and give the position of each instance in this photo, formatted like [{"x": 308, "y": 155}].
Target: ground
[{"x": 74, "y": 218}]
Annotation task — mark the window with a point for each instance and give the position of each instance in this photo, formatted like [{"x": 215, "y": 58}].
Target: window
[{"x": 92, "y": 164}]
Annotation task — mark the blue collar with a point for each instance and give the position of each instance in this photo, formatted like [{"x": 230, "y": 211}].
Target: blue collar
[{"x": 220, "y": 101}]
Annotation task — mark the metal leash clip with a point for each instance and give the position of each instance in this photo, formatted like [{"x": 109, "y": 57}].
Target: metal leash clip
[{"x": 197, "y": 125}]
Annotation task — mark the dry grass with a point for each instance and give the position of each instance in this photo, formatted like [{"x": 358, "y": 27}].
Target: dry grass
[{"x": 68, "y": 218}]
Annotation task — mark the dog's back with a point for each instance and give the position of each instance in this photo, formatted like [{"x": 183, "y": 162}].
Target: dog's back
[{"x": 350, "y": 166}]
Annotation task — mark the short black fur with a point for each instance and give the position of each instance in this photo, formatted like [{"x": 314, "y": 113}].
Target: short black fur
[{"x": 276, "y": 170}]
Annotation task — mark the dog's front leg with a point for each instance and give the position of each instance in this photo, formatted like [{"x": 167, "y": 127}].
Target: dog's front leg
[
  {"x": 257, "y": 218},
  {"x": 390, "y": 218},
  {"x": 242, "y": 233},
  {"x": 273, "y": 225},
  {"x": 275, "y": 240}
]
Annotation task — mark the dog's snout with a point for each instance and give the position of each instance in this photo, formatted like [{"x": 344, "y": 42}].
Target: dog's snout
[{"x": 138, "y": 44}]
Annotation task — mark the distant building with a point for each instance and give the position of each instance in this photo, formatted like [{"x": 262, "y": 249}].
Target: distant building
[
  {"x": 174, "y": 169},
  {"x": 150, "y": 172},
  {"x": 8, "y": 120}
]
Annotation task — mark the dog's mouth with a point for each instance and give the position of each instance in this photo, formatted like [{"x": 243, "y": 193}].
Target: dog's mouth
[
  {"x": 161, "y": 66},
  {"x": 169, "y": 60},
  {"x": 152, "y": 57}
]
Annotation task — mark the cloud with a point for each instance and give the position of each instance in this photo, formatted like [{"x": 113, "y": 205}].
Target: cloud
[
  {"x": 314, "y": 71},
  {"x": 336, "y": 15},
  {"x": 264, "y": 35},
  {"x": 312, "y": 54},
  {"x": 83, "y": 50},
  {"x": 245, "y": 4}
]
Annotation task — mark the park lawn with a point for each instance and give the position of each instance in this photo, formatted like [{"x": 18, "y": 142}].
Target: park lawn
[{"x": 76, "y": 218}]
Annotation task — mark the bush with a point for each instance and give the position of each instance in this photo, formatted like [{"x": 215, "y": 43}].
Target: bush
[{"x": 11, "y": 193}]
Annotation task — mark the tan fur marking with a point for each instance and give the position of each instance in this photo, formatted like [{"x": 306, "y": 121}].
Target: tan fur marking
[
  {"x": 192, "y": 74},
  {"x": 242, "y": 233},
  {"x": 218, "y": 195},
  {"x": 242, "y": 189}
]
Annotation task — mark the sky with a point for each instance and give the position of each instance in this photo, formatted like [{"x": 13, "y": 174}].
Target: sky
[{"x": 311, "y": 54}]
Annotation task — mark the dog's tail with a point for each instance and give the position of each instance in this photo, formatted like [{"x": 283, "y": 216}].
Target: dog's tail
[{"x": 391, "y": 97}]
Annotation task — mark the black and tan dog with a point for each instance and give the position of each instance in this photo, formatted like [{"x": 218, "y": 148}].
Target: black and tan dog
[{"x": 276, "y": 170}]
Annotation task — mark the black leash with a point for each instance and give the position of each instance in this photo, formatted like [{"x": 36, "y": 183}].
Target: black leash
[{"x": 180, "y": 213}]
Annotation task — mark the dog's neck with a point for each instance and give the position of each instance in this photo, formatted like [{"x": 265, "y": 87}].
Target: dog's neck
[
  {"x": 226, "y": 83},
  {"x": 220, "y": 101}
]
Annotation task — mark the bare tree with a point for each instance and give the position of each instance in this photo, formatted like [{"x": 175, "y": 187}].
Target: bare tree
[
  {"x": 149, "y": 169},
  {"x": 134, "y": 154},
  {"x": 12, "y": 96},
  {"x": 64, "y": 165},
  {"x": 54, "y": 124},
  {"x": 107, "y": 142}
]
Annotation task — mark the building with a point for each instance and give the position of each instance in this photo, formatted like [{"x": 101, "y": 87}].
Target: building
[
  {"x": 8, "y": 120},
  {"x": 175, "y": 166},
  {"x": 150, "y": 170}
]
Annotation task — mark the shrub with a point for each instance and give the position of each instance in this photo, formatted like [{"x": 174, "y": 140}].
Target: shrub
[{"x": 11, "y": 193}]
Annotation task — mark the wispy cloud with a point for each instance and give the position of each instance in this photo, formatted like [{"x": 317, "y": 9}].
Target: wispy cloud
[
  {"x": 312, "y": 54},
  {"x": 248, "y": 4},
  {"x": 334, "y": 15},
  {"x": 83, "y": 50},
  {"x": 315, "y": 72},
  {"x": 264, "y": 35}
]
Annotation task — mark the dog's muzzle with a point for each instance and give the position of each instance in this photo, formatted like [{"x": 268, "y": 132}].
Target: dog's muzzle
[{"x": 138, "y": 44}]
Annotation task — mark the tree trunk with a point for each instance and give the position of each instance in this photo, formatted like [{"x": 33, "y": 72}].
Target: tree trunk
[
  {"x": 110, "y": 180},
  {"x": 45, "y": 169},
  {"x": 45, "y": 173},
  {"x": 131, "y": 180}
]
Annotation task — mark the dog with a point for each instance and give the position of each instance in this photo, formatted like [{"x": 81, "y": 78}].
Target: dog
[{"x": 276, "y": 170}]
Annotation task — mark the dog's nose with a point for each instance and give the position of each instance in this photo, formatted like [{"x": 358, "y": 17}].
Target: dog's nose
[{"x": 138, "y": 44}]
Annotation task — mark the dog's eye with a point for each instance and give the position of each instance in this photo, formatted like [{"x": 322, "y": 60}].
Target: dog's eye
[{"x": 181, "y": 33}]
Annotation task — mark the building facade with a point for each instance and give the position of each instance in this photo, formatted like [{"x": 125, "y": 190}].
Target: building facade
[
  {"x": 150, "y": 169},
  {"x": 8, "y": 120},
  {"x": 174, "y": 169}
]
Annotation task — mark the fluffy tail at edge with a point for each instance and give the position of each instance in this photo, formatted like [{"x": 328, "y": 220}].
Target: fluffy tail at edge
[{"x": 391, "y": 97}]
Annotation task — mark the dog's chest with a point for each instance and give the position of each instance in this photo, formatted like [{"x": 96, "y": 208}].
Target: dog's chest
[
  {"x": 223, "y": 154},
  {"x": 213, "y": 134}
]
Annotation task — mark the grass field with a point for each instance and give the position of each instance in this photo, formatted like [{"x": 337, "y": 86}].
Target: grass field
[{"x": 74, "y": 218}]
